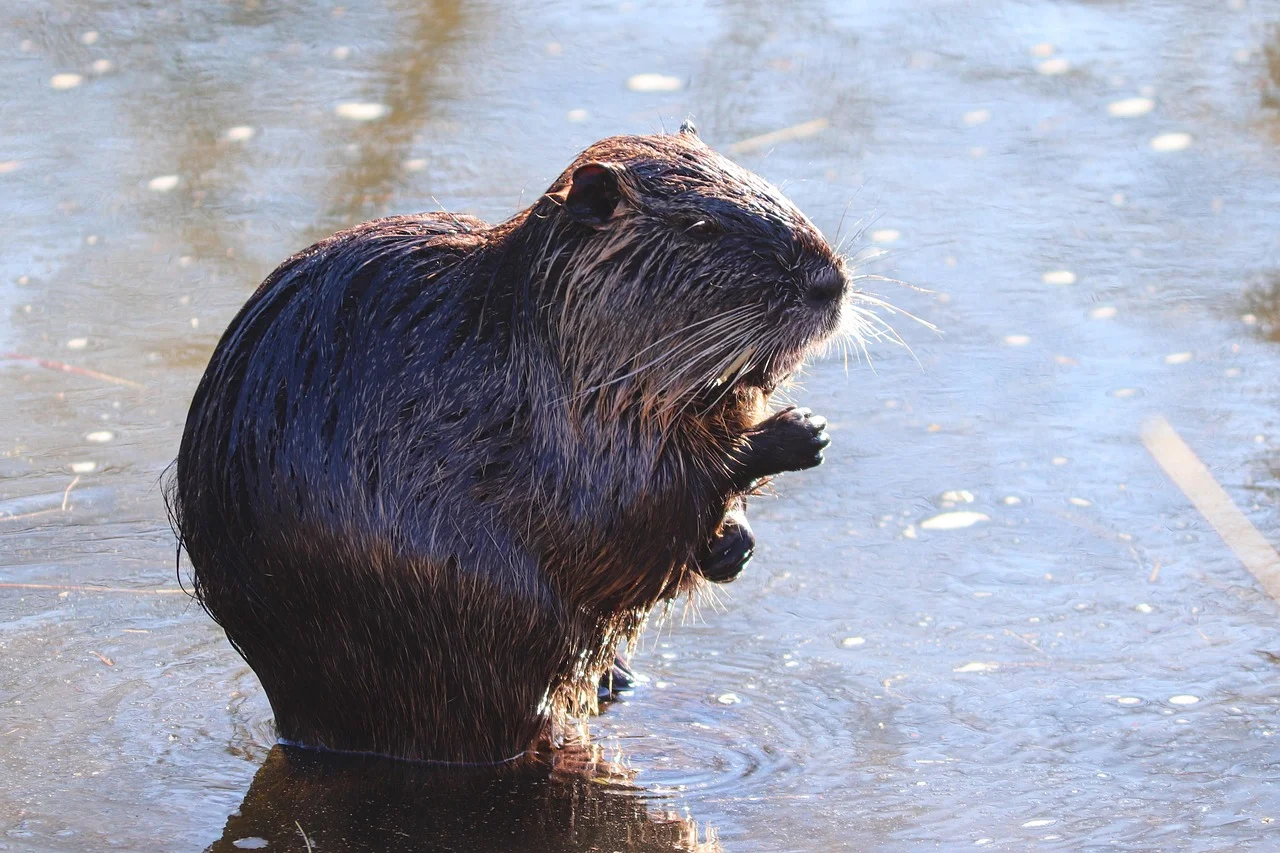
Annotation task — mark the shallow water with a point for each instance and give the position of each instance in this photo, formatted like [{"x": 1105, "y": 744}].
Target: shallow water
[{"x": 1082, "y": 665}]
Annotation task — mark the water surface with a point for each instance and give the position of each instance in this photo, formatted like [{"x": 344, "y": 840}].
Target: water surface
[{"x": 1087, "y": 192}]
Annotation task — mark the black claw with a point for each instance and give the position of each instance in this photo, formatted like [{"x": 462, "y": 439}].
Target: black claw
[{"x": 619, "y": 678}]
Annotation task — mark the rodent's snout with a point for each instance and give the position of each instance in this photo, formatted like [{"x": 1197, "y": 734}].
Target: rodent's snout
[{"x": 826, "y": 287}]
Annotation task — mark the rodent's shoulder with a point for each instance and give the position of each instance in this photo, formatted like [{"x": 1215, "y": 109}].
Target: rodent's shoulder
[{"x": 441, "y": 233}]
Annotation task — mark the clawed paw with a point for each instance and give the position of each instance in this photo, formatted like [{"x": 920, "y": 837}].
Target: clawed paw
[
  {"x": 798, "y": 437},
  {"x": 730, "y": 550}
]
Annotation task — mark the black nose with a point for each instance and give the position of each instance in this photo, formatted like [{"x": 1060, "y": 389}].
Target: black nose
[{"x": 827, "y": 286}]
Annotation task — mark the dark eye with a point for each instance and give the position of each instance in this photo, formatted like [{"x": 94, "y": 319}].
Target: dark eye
[{"x": 699, "y": 228}]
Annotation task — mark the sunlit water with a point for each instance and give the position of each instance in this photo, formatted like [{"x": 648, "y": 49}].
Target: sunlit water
[{"x": 1090, "y": 194}]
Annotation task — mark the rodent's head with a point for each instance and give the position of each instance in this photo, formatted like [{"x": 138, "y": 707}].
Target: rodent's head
[{"x": 678, "y": 274}]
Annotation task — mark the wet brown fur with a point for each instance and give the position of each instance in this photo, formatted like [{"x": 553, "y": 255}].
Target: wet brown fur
[{"x": 438, "y": 470}]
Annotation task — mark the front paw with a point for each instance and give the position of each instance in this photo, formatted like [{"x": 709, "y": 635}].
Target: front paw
[
  {"x": 729, "y": 550},
  {"x": 795, "y": 439}
]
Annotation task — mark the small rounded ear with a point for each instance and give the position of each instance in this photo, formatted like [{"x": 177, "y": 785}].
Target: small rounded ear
[
  {"x": 593, "y": 194},
  {"x": 687, "y": 128}
]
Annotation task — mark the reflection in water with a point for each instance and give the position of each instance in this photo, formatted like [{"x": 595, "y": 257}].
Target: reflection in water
[
  {"x": 1271, "y": 85},
  {"x": 1263, "y": 302},
  {"x": 359, "y": 803},
  {"x": 409, "y": 71}
]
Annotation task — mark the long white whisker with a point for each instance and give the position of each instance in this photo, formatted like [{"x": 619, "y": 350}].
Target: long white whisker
[{"x": 725, "y": 318}]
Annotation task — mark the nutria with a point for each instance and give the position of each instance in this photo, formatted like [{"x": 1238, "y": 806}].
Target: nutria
[{"x": 438, "y": 470}]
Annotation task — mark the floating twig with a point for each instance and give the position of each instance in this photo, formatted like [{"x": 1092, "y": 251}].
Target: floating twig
[
  {"x": 66, "y": 495},
  {"x": 71, "y": 368},
  {"x": 30, "y": 514},
  {"x": 1190, "y": 474},
  {"x": 77, "y": 588},
  {"x": 1026, "y": 642},
  {"x": 797, "y": 131}
]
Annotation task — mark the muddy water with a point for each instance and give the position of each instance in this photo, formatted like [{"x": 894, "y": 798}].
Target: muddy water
[{"x": 1090, "y": 193}]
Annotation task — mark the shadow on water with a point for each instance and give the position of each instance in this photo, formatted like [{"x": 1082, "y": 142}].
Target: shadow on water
[{"x": 302, "y": 800}]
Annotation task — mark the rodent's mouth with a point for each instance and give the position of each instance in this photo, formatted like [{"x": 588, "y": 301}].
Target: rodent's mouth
[
  {"x": 768, "y": 363},
  {"x": 747, "y": 371}
]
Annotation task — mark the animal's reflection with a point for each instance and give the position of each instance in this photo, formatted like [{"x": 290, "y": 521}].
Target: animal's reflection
[{"x": 304, "y": 800}]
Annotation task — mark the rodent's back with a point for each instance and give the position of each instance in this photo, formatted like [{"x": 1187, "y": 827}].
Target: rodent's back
[
  {"x": 343, "y": 345},
  {"x": 323, "y": 494}
]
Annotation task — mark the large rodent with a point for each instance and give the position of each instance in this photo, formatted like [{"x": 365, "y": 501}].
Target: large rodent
[{"x": 438, "y": 470}]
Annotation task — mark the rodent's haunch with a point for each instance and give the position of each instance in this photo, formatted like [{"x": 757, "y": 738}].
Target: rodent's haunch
[{"x": 438, "y": 470}]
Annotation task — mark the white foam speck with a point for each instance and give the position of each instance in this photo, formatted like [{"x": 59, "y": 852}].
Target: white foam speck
[
  {"x": 886, "y": 235},
  {"x": 162, "y": 183},
  {"x": 1171, "y": 142},
  {"x": 239, "y": 133},
  {"x": 361, "y": 110},
  {"x": 1080, "y": 502},
  {"x": 1128, "y": 700},
  {"x": 977, "y": 666},
  {"x": 77, "y": 343},
  {"x": 100, "y": 437},
  {"x": 1103, "y": 312},
  {"x": 653, "y": 83},
  {"x": 954, "y": 520},
  {"x": 1054, "y": 67},
  {"x": 728, "y": 699},
  {"x": 1059, "y": 277},
  {"x": 84, "y": 467},
  {"x": 1183, "y": 699},
  {"x": 577, "y": 115},
  {"x": 1039, "y": 822},
  {"x": 1177, "y": 358},
  {"x": 65, "y": 81},
  {"x": 974, "y": 117},
  {"x": 1131, "y": 107},
  {"x": 1017, "y": 340},
  {"x": 852, "y": 642}
]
